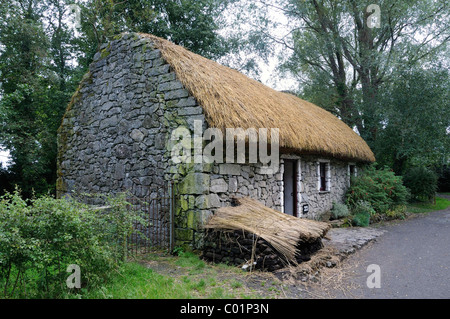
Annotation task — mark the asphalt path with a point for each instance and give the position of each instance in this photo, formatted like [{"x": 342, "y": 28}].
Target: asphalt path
[{"x": 410, "y": 260}]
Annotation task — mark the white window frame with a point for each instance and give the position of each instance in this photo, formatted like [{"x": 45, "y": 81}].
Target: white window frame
[
  {"x": 327, "y": 175},
  {"x": 355, "y": 172}
]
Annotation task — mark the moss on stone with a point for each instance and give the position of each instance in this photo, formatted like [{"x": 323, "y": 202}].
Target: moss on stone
[{"x": 184, "y": 235}]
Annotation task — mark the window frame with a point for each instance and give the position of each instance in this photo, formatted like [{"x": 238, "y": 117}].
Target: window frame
[
  {"x": 323, "y": 182},
  {"x": 350, "y": 173}
]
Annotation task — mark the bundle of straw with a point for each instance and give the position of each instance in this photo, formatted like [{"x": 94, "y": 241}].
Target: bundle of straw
[{"x": 282, "y": 231}]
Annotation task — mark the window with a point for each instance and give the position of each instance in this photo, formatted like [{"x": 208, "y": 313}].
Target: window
[
  {"x": 323, "y": 176},
  {"x": 323, "y": 180},
  {"x": 352, "y": 170}
]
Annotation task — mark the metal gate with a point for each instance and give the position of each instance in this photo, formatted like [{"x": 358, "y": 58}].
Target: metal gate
[{"x": 153, "y": 226}]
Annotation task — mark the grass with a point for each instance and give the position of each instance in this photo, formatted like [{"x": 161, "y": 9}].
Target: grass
[
  {"x": 174, "y": 277},
  {"x": 164, "y": 276},
  {"x": 134, "y": 281},
  {"x": 419, "y": 207}
]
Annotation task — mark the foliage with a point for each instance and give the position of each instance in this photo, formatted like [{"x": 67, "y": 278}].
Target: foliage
[
  {"x": 416, "y": 104},
  {"x": 40, "y": 237},
  {"x": 34, "y": 72},
  {"x": 361, "y": 214},
  {"x": 398, "y": 212},
  {"x": 421, "y": 182},
  {"x": 381, "y": 188},
  {"x": 339, "y": 210},
  {"x": 190, "y": 23},
  {"x": 444, "y": 179}
]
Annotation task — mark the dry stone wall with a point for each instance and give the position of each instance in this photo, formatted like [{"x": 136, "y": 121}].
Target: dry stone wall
[
  {"x": 115, "y": 135},
  {"x": 320, "y": 203}
]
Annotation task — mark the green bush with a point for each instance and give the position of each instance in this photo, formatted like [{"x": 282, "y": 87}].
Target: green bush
[
  {"x": 339, "y": 211},
  {"x": 361, "y": 220},
  {"x": 421, "y": 182},
  {"x": 39, "y": 238},
  {"x": 361, "y": 214},
  {"x": 398, "y": 212},
  {"x": 378, "y": 187}
]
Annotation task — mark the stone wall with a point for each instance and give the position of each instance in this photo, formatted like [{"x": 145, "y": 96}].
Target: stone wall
[
  {"x": 115, "y": 135},
  {"x": 319, "y": 202},
  {"x": 228, "y": 180}
]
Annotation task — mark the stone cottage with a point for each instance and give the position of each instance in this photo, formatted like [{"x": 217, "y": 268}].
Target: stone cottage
[{"x": 118, "y": 133}]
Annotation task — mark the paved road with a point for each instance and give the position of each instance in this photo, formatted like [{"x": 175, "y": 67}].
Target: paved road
[{"x": 414, "y": 260}]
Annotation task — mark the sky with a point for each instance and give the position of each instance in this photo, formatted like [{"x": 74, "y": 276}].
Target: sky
[{"x": 4, "y": 157}]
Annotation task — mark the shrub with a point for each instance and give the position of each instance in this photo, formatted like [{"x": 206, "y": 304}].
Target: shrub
[
  {"x": 339, "y": 211},
  {"x": 39, "y": 238},
  {"x": 361, "y": 214},
  {"x": 398, "y": 212},
  {"x": 361, "y": 220},
  {"x": 379, "y": 187},
  {"x": 421, "y": 182}
]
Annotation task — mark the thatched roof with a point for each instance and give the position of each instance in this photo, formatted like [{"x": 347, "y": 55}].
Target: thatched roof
[
  {"x": 280, "y": 230},
  {"x": 232, "y": 100}
]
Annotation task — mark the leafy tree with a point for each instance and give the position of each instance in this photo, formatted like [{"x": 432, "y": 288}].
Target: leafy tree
[
  {"x": 422, "y": 183},
  {"x": 193, "y": 24},
  {"x": 22, "y": 63},
  {"x": 343, "y": 61},
  {"x": 415, "y": 113}
]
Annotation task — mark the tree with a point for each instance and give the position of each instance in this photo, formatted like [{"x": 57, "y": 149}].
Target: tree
[
  {"x": 335, "y": 49},
  {"x": 193, "y": 24},
  {"x": 416, "y": 105},
  {"x": 22, "y": 63}
]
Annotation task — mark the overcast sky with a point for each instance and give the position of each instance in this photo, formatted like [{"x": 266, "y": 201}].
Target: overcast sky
[{"x": 4, "y": 156}]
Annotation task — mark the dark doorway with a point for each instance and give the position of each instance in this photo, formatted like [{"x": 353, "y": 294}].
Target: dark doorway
[{"x": 290, "y": 187}]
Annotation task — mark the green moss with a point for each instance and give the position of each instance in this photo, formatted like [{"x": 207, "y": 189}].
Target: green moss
[
  {"x": 184, "y": 234},
  {"x": 61, "y": 186},
  {"x": 184, "y": 204},
  {"x": 118, "y": 36},
  {"x": 191, "y": 220},
  {"x": 104, "y": 53}
]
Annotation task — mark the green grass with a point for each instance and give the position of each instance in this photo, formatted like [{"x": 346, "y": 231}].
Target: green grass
[
  {"x": 189, "y": 278},
  {"x": 134, "y": 281},
  {"x": 190, "y": 260},
  {"x": 419, "y": 208}
]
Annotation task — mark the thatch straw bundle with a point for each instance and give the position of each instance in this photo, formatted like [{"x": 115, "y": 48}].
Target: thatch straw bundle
[
  {"x": 282, "y": 231},
  {"x": 232, "y": 100}
]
